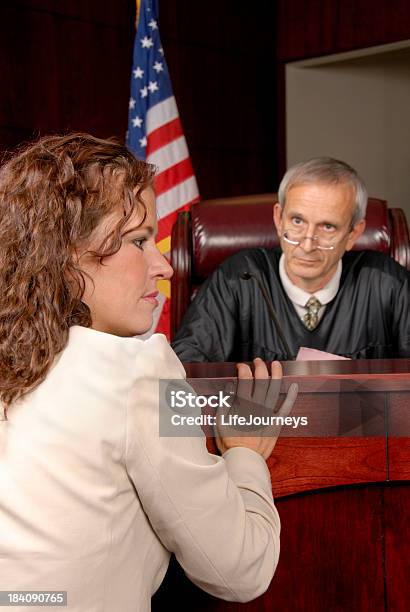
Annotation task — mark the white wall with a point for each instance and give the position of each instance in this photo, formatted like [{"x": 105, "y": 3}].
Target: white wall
[{"x": 356, "y": 107}]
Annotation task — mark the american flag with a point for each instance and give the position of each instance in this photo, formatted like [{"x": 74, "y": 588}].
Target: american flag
[{"x": 155, "y": 134}]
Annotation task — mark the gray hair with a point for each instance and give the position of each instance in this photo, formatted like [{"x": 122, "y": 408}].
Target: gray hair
[{"x": 328, "y": 171}]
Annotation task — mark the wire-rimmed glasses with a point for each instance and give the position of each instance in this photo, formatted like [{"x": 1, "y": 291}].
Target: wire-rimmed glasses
[{"x": 323, "y": 242}]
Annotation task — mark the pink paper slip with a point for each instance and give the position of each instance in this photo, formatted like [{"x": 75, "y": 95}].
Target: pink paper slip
[{"x": 308, "y": 354}]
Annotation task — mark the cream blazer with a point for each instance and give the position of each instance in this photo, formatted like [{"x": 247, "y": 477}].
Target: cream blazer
[{"x": 92, "y": 500}]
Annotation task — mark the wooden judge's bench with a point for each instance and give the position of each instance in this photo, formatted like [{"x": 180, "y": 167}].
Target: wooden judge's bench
[{"x": 343, "y": 495}]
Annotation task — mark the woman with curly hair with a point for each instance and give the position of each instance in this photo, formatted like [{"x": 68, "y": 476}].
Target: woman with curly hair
[{"x": 92, "y": 499}]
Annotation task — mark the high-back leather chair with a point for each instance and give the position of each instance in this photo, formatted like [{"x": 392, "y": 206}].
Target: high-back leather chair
[{"x": 213, "y": 230}]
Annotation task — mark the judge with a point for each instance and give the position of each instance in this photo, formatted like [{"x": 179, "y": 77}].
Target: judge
[{"x": 325, "y": 296}]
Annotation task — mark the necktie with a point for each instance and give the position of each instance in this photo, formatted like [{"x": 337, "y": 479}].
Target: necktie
[{"x": 311, "y": 319}]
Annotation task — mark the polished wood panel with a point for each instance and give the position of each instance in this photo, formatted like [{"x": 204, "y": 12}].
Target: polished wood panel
[
  {"x": 342, "y": 547},
  {"x": 397, "y": 547},
  {"x": 399, "y": 437},
  {"x": 386, "y": 369},
  {"x": 306, "y": 464},
  {"x": 332, "y": 558},
  {"x": 331, "y": 552},
  {"x": 361, "y": 410}
]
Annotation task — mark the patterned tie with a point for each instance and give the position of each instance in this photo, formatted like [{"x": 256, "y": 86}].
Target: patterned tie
[{"x": 311, "y": 319}]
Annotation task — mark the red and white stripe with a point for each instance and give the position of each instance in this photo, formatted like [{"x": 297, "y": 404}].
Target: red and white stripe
[{"x": 175, "y": 184}]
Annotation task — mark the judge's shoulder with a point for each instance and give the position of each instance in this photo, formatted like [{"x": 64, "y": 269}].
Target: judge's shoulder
[{"x": 376, "y": 261}]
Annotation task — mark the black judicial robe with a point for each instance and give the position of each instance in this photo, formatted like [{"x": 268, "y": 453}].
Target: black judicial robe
[{"x": 369, "y": 317}]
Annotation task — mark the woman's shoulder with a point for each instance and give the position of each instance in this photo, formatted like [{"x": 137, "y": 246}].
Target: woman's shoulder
[
  {"x": 94, "y": 376},
  {"x": 156, "y": 359},
  {"x": 131, "y": 357}
]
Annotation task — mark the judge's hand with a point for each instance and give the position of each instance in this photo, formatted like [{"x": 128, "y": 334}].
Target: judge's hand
[{"x": 256, "y": 396}]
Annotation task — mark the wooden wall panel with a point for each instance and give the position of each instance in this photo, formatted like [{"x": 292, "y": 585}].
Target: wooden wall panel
[
  {"x": 332, "y": 559},
  {"x": 64, "y": 66},
  {"x": 221, "y": 61},
  {"x": 397, "y": 548},
  {"x": 310, "y": 28}
]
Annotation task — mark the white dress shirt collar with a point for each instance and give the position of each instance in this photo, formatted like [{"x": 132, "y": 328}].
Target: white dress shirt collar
[{"x": 299, "y": 297}]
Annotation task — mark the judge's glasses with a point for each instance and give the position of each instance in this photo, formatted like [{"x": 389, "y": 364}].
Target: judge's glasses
[{"x": 322, "y": 241}]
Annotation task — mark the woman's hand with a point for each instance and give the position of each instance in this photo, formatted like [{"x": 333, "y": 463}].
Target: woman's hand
[{"x": 256, "y": 396}]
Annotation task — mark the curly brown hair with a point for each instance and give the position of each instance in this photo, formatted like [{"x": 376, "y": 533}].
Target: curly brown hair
[{"x": 53, "y": 194}]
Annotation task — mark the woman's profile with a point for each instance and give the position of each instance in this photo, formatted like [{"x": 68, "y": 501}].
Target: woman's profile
[{"x": 92, "y": 499}]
